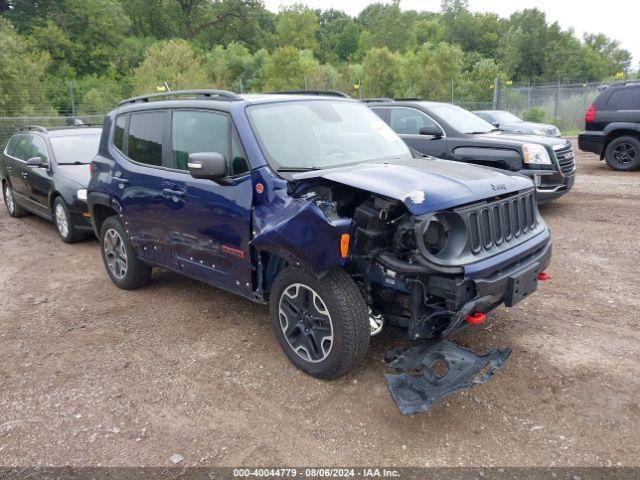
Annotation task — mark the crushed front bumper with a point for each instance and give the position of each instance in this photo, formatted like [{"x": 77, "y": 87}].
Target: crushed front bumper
[{"x": 434, "y": 369}]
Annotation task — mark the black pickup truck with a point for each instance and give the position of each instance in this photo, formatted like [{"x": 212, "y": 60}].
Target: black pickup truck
[{"x": 447, "y": 131}]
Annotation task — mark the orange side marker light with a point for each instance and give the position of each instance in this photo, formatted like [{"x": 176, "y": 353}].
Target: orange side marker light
[{"x": 344, "y": 244}]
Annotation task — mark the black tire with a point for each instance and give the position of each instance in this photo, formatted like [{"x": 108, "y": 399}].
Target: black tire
[
  {"x": 62, "y": 221},
  {"x": 15, "y": 210},
  {"x": 134, "y": 273},
  {"x": 623, "y": 154},
  {"x": 347, "y": 315}
]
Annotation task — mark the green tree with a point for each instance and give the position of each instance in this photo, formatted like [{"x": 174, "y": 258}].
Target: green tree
[
  {"x": 297, "y": 26},
  {"x": 21, "y": 75},
  {"x": 338, "y": 36},
  {"x": 523, "y": 51},
  {"x": 286, "y": 69},
  {"x": 174, "y": 62},
  {"x": 385, "y": 26},
  {"x": 380, "y": 69}
]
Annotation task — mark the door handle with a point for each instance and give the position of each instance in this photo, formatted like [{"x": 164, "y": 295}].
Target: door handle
[
  {"x": 24, "y": 175},
  {"x": 120, "y": 180},
  {"x": 169, "y": 193}
]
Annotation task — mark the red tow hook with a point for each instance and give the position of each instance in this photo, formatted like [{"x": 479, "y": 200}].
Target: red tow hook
[
  {"x": 543, "y": 277},
  {"x": 476, "y": 319}
]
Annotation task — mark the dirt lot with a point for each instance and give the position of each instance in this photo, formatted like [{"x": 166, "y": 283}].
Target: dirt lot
[{"x": 91, "y": 375}]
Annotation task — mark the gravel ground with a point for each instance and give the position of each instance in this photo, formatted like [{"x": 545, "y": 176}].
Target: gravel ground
[{"x": 92, "y": 375}]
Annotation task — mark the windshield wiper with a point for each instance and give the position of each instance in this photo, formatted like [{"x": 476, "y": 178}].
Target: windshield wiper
[
  {"x": 297, "y": 169},
  {"x": 479, "y": 133},
  {"x": 72, "y": 163}
]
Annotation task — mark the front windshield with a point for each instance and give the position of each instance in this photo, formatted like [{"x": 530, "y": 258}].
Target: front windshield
[
  {"x": 501, "y": 116},
  {"x": 316, "y": 134},
  {"x": 75, "y": 149},
  {"x": 462, "y": 120}
]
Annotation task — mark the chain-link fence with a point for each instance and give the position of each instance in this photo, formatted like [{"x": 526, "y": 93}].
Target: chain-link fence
[
  {"x": 9, "y": 125},
  {"x": 563, "y": 105}
]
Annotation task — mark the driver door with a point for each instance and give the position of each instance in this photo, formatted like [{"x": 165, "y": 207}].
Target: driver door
[{"x": 407, "y": 122}]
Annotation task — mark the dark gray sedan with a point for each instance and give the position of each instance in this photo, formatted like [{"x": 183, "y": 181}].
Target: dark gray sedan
[{"x": 509, "y": 123}]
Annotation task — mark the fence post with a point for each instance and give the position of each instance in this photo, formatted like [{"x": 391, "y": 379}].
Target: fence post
[
  {"x": 557, "y": 104},
  {"x": 529, "y": 96},
  {"x": 496, "y": 87}
]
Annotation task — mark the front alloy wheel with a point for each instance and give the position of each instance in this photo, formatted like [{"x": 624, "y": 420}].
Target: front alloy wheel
[
  {"x": 306, "y": 323},
  {"x": 321, "y": 323}
]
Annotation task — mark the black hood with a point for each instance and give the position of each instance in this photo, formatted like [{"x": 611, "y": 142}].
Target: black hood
[
  {"x": 517, "y": 140},
  {"x": 80, "y": 174}
]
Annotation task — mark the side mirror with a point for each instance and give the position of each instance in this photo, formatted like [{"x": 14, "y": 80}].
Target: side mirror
[
  {"x": 432, "y": 130},
  {"x": 34, "y": 162},
  {"x": 207, "y": 165},
  {"x": 496, "y": 124}
]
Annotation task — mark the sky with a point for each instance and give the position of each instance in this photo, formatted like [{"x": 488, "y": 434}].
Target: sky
[{"x": 618, "y": 19}]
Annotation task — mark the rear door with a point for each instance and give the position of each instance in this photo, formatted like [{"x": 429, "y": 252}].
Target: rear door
[
  {"x": 19, "y": 169},
  {"x": 210, "y": 222},
  {"x": 8, "y": 158},
  {"x": 39, "y": 180},
  {"x": 140, "y": 138}
]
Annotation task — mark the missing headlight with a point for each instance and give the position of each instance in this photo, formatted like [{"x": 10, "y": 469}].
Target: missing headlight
[
  {"x": 441, "y": 235},
  {"x": 435, "y": 237}
]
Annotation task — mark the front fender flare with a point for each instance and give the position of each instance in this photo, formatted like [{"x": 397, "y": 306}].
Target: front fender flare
[{"x": 298, "y": 231}]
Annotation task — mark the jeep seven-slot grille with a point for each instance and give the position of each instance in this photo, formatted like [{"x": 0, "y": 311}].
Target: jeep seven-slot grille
[
  {"x": 566, "y": 160},
  {"x": 502, "y": 222}
]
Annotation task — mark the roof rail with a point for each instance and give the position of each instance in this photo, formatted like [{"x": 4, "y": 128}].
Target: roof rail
[
  {"x": 376, "y": 100},
  {"x": 37, "y": 128},
  {"x": 200, "y": 94},
  {"x": 317, "y": 93},
  {"x": 409, "y": 99}
]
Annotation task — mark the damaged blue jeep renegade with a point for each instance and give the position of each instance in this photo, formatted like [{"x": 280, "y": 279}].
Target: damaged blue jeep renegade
[{"x": 313, "y": 205}]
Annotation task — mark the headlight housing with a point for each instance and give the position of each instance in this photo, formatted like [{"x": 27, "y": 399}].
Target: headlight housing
[
  {"x": 535, "y": 154},
  {"x": 440, "y": 236},
  {"x": 82, "y": 194}
]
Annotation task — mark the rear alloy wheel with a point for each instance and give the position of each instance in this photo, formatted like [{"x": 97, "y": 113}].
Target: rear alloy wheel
[
  {"x": 62, "y": 221},
  {"x": 623, "y": 154},
  {"x": 13, "y": 208},
  {"x": 322, "y": 324},
  {"x": 123, "y": 266}
]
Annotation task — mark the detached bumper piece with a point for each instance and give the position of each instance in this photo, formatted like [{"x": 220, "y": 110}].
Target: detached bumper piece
[{"x": 432, "y": 370}]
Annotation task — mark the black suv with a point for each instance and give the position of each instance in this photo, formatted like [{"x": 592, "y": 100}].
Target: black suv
[
  {"x": 447, "y": 131},
  {"x": 46, "y": 172},
  {"x": 612, "y": 126}
]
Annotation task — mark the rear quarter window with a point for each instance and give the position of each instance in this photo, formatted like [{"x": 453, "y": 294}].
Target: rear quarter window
[
  {"x": 625, "y": 99},
  {"x": 11, "y": 145}
]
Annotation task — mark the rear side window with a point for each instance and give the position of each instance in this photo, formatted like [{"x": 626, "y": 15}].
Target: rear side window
[
  {"x": 145, "y": 137},
  {"x": 11, "y": 145},
  {"x": 199, "y": 132},
  {"x": 21, "y": 150},
  {"x": 39, "y": 149},
  {"x": 625, "y": 99},
  {"x": 118, "y": 132}
]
